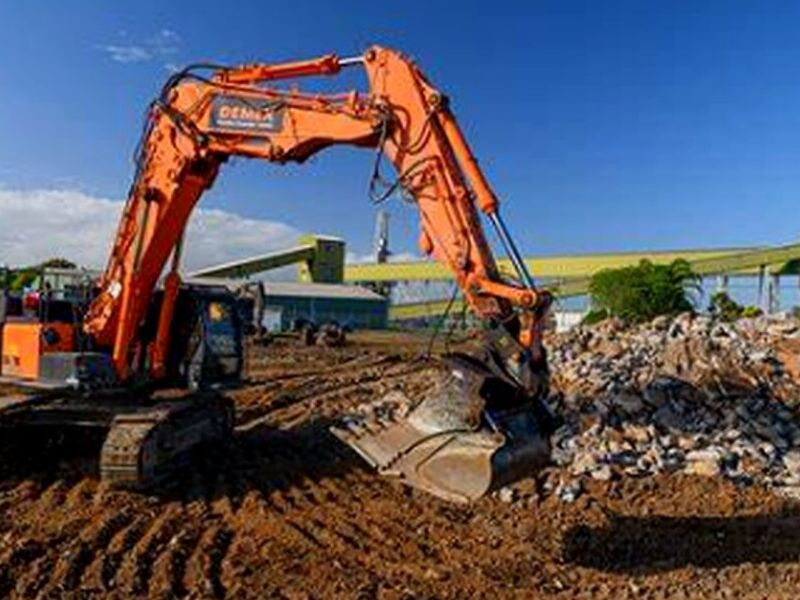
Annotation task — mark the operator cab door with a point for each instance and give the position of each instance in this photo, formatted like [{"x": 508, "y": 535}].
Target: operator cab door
[
  {"x": 206, "y": 346},
  {"x": 222, "y": 348}
]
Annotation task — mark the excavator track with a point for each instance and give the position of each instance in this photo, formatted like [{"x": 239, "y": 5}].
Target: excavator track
[{"x": 146, "y": 447}]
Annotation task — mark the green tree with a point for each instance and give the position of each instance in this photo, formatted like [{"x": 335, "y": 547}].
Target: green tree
[
  {"x": 644, "y": 291},
  {"x": 725, "y": 308}
]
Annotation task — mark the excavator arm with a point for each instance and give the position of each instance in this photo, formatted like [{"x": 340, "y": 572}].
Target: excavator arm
[
  {"x": 199, "y": 121},
  {"x": 206, "y": 114}
]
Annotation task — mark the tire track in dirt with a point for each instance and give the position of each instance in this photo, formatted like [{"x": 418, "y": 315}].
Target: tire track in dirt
[
  {"x": 373, "y": 526},
  {"x": 266, "y": 517},
  {"x": 14, "y": 559},
  {"x": 136, "y": 568},
  {"x": 359, "y": 361},
  {"x": 169, "y": 569},
  {"x": 291, "y": 406},
  {"x": 102, "y": 573},
  {"x": 52, "y": 499},
  {"x": 284, "y": 374},
  {"x": 312, "y": 510},
  {"x": 315, "y": 507},
  {"x": 32, "y": 581},
  {"x": 80, "y": 553},
  {"x": 204, "y": 568},
  {"x": 276, "y": 503},
  {"x": 65, "y": 549},
  {"x": 17, "y": 494},
  {"x": 312, "y": 518}
]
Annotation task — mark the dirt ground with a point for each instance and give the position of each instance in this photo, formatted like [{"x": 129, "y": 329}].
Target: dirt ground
[{"x": 288, "y": 512}]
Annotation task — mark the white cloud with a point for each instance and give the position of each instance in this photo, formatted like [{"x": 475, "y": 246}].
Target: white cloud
[
  {"x": 127, "y": 54},
  {"x": 39, "y": 224},
  {"x": 165, "y": 43},
  {"x": 161, "y": 46}
]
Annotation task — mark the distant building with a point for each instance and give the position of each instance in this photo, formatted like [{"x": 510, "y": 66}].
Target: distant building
[
  {"x": 319, "y": 295},
  {"x": 285, "y": 302}
]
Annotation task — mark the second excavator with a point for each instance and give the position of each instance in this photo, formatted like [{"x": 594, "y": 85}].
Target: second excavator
[{"x": 484, "y": 424}]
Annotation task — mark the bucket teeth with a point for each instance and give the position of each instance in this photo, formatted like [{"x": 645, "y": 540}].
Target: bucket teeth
[{"x": 375, "y": 433}]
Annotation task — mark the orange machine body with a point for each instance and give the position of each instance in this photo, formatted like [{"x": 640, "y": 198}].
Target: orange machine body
[{"x": 25, "y": 342}]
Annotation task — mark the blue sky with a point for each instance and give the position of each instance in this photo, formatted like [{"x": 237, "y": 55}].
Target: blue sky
[{"x": 601, "y": 125}]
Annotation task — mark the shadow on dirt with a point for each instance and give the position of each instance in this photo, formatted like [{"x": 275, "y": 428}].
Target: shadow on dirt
[
  {"x": 47, "y": 454},
  {"x": 265, "y": 459},
  {"x": 641, "y": 545}
]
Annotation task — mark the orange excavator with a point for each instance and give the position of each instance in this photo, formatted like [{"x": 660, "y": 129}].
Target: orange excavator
[{"x": 482, "y": 426}]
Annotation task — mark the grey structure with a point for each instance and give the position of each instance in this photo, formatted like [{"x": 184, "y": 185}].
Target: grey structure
[{"x": 349, "y": 305}]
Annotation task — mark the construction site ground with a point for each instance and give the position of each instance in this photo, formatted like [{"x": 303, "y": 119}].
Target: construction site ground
[{"x": 288, "y": 512}]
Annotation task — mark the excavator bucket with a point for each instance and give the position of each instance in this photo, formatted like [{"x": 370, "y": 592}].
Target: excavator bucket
[{"x": 473, "y": 433}]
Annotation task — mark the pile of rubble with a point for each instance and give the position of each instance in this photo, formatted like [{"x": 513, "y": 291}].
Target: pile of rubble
[{"x": 686, "y": 394}]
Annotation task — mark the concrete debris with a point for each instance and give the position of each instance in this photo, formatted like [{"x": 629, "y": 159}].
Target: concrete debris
[
  {"x": 686, "y": 394},
  {"x": 703, "y": 462},
  {"x": 602, "y": 473},
  {"x": 570, "y": 491},
  {"x": 507, "y": 495}
]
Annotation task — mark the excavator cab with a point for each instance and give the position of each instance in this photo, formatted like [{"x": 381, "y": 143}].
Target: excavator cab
[{"x": 207, "y": 349}]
